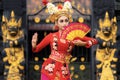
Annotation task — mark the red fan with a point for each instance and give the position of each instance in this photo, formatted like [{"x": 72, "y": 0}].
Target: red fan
[{"x": 75, "y": 30}]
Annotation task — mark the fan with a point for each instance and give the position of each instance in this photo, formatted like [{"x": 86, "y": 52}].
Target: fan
[{"x": 75, "y": 30}]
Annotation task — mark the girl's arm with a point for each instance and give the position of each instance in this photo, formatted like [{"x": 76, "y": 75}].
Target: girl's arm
[
  {"x": 85, "y": 41},
  {"x": 79, "y": 43},
  {"x": 42, "y": 44}
]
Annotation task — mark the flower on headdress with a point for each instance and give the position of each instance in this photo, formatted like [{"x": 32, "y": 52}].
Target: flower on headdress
[
  {"x": 67, "y": 5},
  {"x": 56, "y": 11},
  {"x": 52, "y": 9}
]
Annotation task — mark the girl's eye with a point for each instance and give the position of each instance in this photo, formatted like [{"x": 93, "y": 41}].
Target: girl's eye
[
  {"x": 61, "y": 21},
  {"x": 66, "y": 20}
]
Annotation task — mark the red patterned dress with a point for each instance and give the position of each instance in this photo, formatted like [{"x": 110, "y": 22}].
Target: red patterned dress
[{"x": 55, "y": 67}]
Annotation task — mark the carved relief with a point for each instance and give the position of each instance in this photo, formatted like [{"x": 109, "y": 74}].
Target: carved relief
[
  {"x": 13, "y": 52},
  {"x": 106, "y": 58}
]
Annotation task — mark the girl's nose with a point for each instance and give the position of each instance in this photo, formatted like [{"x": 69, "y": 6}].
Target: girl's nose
[{"x": 65, "y": 23}]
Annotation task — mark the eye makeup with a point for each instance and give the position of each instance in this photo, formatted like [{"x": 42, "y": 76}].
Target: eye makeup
[{"x": 61, "y": 21}]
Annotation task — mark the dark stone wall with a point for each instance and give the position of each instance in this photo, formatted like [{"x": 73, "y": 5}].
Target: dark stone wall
[{"x": 101, "y": 6}]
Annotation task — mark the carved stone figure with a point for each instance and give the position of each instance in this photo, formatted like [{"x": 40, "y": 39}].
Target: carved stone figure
[
  {"x": 13, "y": 52},
  {"x": 106, "y": 58}
]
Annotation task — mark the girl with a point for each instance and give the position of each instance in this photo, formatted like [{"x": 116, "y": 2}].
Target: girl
[{"x": 56, "y": 66}]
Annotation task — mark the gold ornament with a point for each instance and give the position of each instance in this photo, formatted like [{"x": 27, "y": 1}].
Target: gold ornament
[
  {"x": 47, "y": 20},
  {"x": 82, "y": 67},
  {"x": 67, "y": 58},
  {"x": 37, "y": 19},
  {"x": 36, "y": 58},
  {"x": 72, "y": 68},
  {"x": 82, "y": 59},
  {"x": 36, "y": 67},
  {"x": 81, "y": 19},
  {"x": 76, "y": 76},
  {"x": 73, "y": 59},
  {"x": 44, "y": 59}
]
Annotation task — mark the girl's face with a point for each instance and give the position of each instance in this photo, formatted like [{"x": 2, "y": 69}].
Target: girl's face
[{"x": 62, "y": 22}]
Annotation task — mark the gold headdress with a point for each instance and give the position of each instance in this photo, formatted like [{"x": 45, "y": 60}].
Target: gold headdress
[
  {"x": 57, "y": 11},
  {"x": 12, "y": 21},
  {"x": 109, "y": 23},
  {"x": 106, "y": 22}
]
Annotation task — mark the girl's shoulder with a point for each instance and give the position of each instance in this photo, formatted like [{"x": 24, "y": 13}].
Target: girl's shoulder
[{"x": 53, "y": 33}]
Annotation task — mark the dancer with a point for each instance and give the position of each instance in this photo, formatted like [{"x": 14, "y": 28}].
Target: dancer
[{"x": 56, "y": 67}]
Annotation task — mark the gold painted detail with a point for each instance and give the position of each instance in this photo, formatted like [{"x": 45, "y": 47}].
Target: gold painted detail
[
  {"x": 106, "y": 55},
  {"x": 14, "y": 52}
]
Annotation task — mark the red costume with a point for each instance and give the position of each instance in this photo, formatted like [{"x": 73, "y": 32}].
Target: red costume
[{"x": 55, "y": 67}]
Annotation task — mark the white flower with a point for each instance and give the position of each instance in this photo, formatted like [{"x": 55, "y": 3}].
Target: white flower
[
  {"x": 51, "y": 8},
  {"x": 54, "y": 44},
  {"x": 55, "y": 39},
  {"x": 46, "y": 67},
  {"x": 55, "y": 9},
  {"x": 50, "y": 69},
  {"x": 63, "y": 72},
  {"x": 67, "y": 5},
  {"x": 53, "y": 65}
]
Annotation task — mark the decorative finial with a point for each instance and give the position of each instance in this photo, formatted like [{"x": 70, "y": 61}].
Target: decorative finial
[
  {"x": 13, "y": 21},
  {"x": 100, "y": 23},
  {"x": 106, "y": 15},
  {"x": 12, "y": 14},
  {"x": 114, "y": 19},
  {"x": 3, "y": 18}
]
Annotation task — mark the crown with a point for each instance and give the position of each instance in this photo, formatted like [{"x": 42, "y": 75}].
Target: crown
[
  {"x": 12, "y": 21},
  {"x": 56, "y": 11},
  {"x": 106, "y": 22}
]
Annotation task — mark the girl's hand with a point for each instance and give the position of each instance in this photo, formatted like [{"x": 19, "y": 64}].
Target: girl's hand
[
  {"x": 79, "y": 43},
  {"x": 34, "y": 40}
]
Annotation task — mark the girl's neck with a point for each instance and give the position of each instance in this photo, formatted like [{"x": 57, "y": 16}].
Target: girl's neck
[{"x": 60, "y": 32}]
